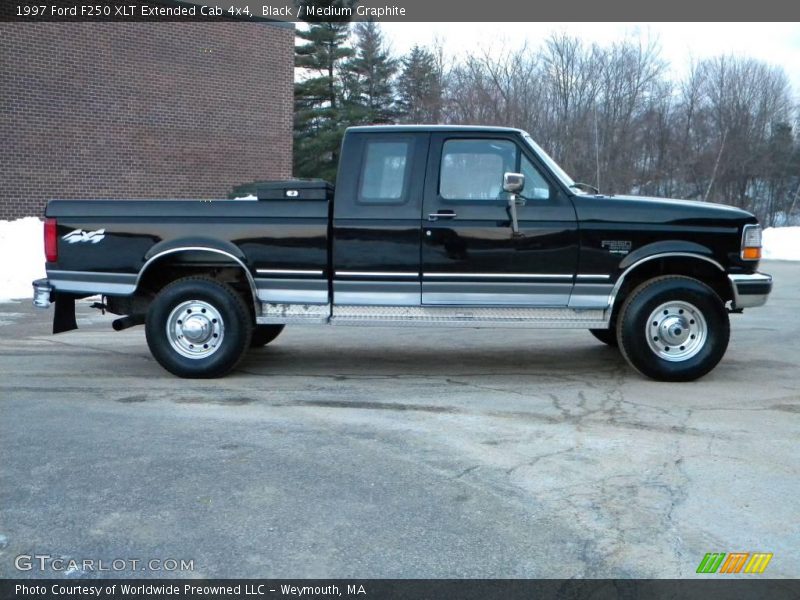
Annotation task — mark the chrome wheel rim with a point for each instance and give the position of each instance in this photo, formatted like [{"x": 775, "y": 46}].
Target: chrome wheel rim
[
  {"x": 676, "y": 331},
  {"x": 195, "y": 329}
]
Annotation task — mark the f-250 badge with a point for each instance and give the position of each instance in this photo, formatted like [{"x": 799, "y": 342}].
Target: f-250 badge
[
  {"x": 616, "y": 246},
  {"x": 79, "y": 235}
]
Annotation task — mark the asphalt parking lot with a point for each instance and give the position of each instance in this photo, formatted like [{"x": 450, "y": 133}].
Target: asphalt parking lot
[{"x": 379, "y": 452}]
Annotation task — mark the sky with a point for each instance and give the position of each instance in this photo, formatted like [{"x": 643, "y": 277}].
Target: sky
[{"x": 776, "y": 43}]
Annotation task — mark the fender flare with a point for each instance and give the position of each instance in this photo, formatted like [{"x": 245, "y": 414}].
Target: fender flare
[
  {"x": 686, "y": 252},
  {"x": 200, "y": 244},
  {"x": 665, "y": 247}
]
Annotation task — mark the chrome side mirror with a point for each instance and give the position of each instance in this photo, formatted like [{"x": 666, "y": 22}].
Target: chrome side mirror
[{"x": 513, "y": 183}]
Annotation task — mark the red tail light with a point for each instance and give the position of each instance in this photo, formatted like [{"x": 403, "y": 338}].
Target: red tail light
[{"x": 50, "y": 240}]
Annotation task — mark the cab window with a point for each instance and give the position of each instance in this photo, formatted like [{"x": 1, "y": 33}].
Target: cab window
[
  {"x": 536, "y": 186},
  {"x": 384, "y": 173},
  {"x": 473, "y": 169}
]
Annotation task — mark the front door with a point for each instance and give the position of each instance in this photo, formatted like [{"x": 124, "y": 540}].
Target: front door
[{"x": 470, "y": 256}]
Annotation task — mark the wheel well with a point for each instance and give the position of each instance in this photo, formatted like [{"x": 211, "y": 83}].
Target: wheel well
[
  {"x": 166, "y": 269},
  {"x": 696, "y": 268}
]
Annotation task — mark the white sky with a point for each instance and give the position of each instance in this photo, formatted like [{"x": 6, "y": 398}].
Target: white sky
[{"x": 776, "y": 43}]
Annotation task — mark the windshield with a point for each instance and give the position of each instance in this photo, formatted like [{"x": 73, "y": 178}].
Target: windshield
[{"x": 553, "y": 165}]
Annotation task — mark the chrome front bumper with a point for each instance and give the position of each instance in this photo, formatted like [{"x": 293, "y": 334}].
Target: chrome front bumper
[
  {"x": 750, "y": 290},
  {"x": 42, "y": 293}
]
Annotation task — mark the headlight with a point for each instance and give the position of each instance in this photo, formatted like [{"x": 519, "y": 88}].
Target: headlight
[{"x": 751, "y": 242}]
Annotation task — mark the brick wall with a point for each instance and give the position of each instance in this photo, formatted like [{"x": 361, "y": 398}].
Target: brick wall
[{"x": 141, "y": 110}]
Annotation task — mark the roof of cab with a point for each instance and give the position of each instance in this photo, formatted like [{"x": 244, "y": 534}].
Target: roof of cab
[{"x": 417, "y": 128}]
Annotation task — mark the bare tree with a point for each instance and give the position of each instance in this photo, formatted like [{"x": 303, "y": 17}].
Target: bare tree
[{"x": 726, "y": 132}]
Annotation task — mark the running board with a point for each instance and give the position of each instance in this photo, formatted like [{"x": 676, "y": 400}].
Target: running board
[{"x": 436, "y": 316}]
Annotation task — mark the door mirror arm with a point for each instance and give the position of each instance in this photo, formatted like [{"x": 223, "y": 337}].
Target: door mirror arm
[
  {"x": 514, "y": 183},
  {"x": 513, "y": 202}
]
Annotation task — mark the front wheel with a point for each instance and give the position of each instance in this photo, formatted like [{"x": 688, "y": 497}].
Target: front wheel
[
  {"x": 198, "y": 327},
  {"x": 673, "y": 328}
]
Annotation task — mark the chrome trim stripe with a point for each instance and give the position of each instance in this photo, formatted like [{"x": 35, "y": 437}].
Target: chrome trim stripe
[
  {"x": 92, "y": 282},
  {"x": 500, "y": 275},
  {"x": 92, "y": 287},
  {"x": 289, "y": 271},
  {"x": 240, "y": 262},
  {"x": 376, "y": 292},
  {"x": 377, "y": 274},
  {"x": 593, "y": 276},
  {"x": 292, "y": 290},
  {"x": 590, "y": 295},
  {"x": 613, "y": 295},
  {"x": 485, "y": 292},
  {"x": 102, "y": 276}
]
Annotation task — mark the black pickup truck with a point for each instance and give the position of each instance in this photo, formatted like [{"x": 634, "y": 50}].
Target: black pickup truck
[{"x": 428, "y": 226}]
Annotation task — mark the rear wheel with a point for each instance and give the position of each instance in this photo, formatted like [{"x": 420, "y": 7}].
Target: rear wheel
[
  {"x": 264, "y": 334},
  {"x": 198, "y": 327},
  {"x": 607, "y": 336},
  {"x": 673, "y": 328}
]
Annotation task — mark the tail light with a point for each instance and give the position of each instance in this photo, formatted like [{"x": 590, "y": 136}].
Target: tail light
[
  {"x": 751, "y": 242},
  {"x": 50, "y": 240}
]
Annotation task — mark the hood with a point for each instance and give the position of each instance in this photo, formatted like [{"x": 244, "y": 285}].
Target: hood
[
  {"x": 644, "y": 209},
  {"x": 689, "y": 204}
]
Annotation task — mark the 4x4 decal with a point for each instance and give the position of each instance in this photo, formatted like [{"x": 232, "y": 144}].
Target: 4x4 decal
[{"x": 79, "y": 235}]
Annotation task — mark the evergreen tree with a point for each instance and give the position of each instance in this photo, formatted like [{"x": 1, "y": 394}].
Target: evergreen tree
[
  {"x": 318, "y": 122},
  {"x": 369, "y": 78},
  {"x": 419, "y": 87}
]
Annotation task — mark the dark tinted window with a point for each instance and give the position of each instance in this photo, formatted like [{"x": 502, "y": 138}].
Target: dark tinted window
[{"x": 385, "y": 172}]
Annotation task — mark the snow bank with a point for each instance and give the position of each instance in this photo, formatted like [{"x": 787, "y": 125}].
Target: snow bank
[
  {"x": 22, "y": 253},
  {"x": 21, "y": 257},
  {"x": 782, "y": 243}
]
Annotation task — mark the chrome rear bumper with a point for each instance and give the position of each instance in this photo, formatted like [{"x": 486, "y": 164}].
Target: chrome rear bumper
[
  {"x": 750, "y": 290},
  {"x": 42, "y": 293}
]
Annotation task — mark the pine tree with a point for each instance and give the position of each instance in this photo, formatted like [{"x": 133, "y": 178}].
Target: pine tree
[
  {"x": 419, "y": 87},
  {"x": 369, "y": 77},
  {"x": 318, "y": 123}
]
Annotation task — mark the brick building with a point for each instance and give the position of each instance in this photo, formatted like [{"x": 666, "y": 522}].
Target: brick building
[{"x": 141, "y": 110}]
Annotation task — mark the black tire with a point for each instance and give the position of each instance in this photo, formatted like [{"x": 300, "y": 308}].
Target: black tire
[
  {"x": 607, "y": 336},
  {"x": 220, "y": 331},
  {"x": 264, "y": 334},
  {"x": 676, "y": 317}
]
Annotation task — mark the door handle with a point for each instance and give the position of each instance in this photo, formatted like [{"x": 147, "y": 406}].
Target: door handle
[{"x": 442, "y": 214}]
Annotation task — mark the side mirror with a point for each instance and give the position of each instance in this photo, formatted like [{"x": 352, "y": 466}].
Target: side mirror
[{"x": 513, "y": 183}]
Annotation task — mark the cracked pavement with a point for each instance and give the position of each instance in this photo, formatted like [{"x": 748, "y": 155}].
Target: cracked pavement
[{"x": 381, "y": 452}]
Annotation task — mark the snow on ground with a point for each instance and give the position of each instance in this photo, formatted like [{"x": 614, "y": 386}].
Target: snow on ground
[
  {"x": 22, "y": 253},
  {"x": 21, "y": 257},
  {"x": 782, "y": 243}
]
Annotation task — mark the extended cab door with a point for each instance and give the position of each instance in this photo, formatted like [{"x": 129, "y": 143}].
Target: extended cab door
[
  {"x": 469, "y": 254},
  {"x": 376, "y": 220}
]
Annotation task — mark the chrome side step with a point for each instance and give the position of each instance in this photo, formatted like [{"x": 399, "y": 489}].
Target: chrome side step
[
  {"x": 436, "y": 316},
  {"x": 278, "y": 313}
]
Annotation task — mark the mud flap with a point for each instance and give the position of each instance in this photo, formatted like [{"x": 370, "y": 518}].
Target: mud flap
[{"x": 64, "y": 315}]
